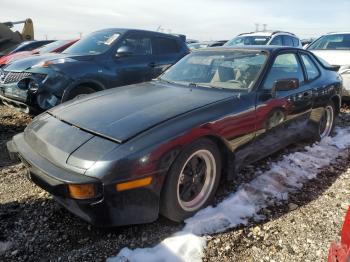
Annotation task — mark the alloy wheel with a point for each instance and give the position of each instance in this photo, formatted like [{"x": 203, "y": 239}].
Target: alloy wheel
[
  {"x": 326, "y": 122},
  {"x": 196, "y": 180}
]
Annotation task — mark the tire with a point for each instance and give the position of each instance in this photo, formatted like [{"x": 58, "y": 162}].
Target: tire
[
  {"x": 325, "y": 126},
  {"x": 80, "y": 91},
  {"x": 183, "y": 195}
]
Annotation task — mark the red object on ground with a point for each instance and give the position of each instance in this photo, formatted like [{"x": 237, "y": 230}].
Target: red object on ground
[{"x": 341, "y": 253}]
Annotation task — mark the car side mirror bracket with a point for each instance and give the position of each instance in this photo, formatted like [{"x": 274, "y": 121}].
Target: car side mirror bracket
[
  {"x": 124, "y": 51},
  {"x": 285, "y": 85}
]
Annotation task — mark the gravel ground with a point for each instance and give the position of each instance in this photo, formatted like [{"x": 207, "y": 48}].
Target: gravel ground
[{"x": 34, "y": 228}]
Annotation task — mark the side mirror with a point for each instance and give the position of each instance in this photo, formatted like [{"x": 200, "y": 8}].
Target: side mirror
[
  {"x": 124, "y": 51},
  {"x": 286, "y": 84}
]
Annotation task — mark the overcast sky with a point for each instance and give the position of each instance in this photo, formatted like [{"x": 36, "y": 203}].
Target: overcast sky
[{"x": 198, "y": 19}]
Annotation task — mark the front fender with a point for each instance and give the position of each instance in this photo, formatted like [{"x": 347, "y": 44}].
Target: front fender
[{"x": 98, "y": 85}]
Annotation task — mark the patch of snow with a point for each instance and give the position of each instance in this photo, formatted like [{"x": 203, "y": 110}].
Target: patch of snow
[
  {"x": 182, "y": 246},
  {"x": 283, "y": 177}
]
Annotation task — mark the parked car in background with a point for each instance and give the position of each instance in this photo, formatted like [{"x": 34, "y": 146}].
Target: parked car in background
[
  {"x": 217, "y": 43},
  {"x": 191, "y": 41},
  {"x": 279, "y": 38},
  {"x": 54, "y": 47},
  {"x": 306, "y": 42},
  {"x": 103, "y": 59},
  {"x": 334, "y": 48},
  {"x": 24, "y": 46},
  {"x": 124, "y": 155},
  {"x": 206, "y": 44},
  {"x": 198, "y": 45}
]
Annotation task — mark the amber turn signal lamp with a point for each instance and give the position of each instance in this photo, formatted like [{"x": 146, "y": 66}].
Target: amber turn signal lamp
[
  {"x": 134, "y": 184},
  {"x": 83, "y": 191}
]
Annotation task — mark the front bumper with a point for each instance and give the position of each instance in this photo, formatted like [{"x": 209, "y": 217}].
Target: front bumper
[
  {"x": 17, "y": 104},
  {"x": 110, "y": 208},
  {"x": 47, "y": 92}
]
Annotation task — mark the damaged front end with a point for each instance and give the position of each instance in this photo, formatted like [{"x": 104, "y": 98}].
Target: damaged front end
[{"x": 35, "y": 88}]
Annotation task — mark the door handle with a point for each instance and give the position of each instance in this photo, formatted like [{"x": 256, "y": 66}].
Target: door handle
[
  {"x": 152, "y": 64},
  {"x": 306, "y": 94}
]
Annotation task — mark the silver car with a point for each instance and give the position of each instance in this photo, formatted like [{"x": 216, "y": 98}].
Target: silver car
[{"x": 334, "y": 48}]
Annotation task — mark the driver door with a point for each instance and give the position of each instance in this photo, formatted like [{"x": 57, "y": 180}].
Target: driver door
[
  {"x": 137, "y": 66},
  {"x": 281, "y": 116}
]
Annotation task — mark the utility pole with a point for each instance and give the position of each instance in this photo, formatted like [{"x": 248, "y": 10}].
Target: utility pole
[
  {"x": 264, "y": 27},
  {"x": 256, "y": 27}
]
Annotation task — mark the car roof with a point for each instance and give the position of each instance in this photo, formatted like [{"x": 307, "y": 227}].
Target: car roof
[
  {"x": 125, "y": 30},
  {"x": 267, "y": 33},
  {"x": 267, "y": 48},
  {"x": 336, "y": 33}
]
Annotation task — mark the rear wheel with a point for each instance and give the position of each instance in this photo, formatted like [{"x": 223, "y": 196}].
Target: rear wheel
[
  {"x": 326, "y": 123},
  {"x": 192, "y": 180}
]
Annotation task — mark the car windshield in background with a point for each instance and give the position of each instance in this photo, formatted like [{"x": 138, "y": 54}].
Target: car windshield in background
[
  {"x": 229, "y": 69},
  {"x": 332, "y": 42},
  {"x": 197, "y": 46},
  {"x": 95, "y": 43},
  {"x": 248, "y": 40},
  {"x": 52, "y": 46}
]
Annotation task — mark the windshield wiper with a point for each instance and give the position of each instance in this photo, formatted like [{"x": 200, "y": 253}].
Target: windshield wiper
[
  {"x": 170, "y": 82},
  {"x": 201, "y": 85}
]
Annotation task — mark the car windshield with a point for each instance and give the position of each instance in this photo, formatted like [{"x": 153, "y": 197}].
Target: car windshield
[
  {"x": 234, "y": 69},
  {"x": 248, "y": 40},
  {"x": 52, "y": 46},
  {"x": 331, "y": 42},
  {"x": 94, "y": 43}
]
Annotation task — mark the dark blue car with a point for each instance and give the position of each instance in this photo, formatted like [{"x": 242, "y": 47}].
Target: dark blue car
[{"x": 103, "y": 59}]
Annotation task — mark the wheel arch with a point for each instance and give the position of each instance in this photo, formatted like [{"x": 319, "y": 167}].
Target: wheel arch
[
  {"x": 96, "y": 85},
  {"x": 227, "y": 156}
]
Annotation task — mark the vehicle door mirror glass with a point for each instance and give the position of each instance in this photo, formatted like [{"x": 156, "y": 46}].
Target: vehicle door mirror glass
[
  {"x": 286, "y": 84},
  {"x": 124, "y": 51}
]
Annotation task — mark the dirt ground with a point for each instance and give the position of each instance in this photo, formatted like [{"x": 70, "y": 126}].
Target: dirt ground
[{"x": 34, "y": 228}]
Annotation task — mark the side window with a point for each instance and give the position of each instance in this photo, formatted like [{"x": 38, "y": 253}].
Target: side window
[
  {"x": 163, "y": 45},
  {"x": 277, "y": 40},
  {"x": 285, "y": 66},
  {"x": 311, "y": 69},
  {"x": 139, "y": 45},
  {"x": 295, "y": 42},
  {"x": 287, "y": 40}
]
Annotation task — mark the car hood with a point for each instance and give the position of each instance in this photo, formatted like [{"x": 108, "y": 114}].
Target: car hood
[
  {"x": 334, "y": 57},
  {"x": 124, "y": 112},
  {"x": 28, "y": 62}
]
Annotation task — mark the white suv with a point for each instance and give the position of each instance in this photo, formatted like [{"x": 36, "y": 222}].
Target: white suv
[
  {"x": 334, "y": 48},
  {"x": 279, "y": 38}
]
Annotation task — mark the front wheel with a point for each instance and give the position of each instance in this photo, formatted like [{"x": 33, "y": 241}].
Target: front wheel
[
  {"x": 192, "y": 180},
  {"x": 80, "y": 91}
]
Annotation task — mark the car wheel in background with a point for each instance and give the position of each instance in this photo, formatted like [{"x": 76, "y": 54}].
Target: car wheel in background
[
  {"x": 80, "y": 91},
  {"x": 192, "y": 180}
]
